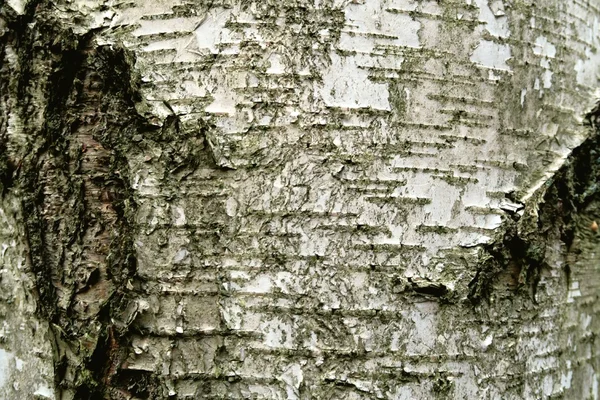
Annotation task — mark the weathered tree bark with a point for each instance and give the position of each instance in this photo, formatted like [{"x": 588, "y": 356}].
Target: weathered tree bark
[{"x": 293, "y": 199}]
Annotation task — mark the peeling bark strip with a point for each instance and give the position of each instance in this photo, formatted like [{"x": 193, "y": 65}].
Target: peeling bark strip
[{"x": 293, "y": 200}]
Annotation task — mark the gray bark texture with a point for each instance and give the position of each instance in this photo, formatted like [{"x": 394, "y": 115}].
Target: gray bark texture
[{"x": 299, "y": 199}]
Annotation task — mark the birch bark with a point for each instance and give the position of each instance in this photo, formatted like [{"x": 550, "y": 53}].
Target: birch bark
[{"x": 293, "y": 199}]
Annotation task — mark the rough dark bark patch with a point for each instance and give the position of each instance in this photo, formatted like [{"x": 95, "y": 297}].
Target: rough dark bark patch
[
  {"x": 75, "y": 191},
  {"x": 517, "y": 257}
]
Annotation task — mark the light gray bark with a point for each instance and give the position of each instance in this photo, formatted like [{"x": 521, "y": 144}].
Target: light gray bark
[{"x": 386, "y": 199}]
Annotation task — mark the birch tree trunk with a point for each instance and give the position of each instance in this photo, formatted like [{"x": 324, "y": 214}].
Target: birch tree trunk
[{"x": 294, "y": 199}]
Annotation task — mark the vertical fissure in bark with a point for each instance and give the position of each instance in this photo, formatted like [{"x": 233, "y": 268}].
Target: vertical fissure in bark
[{"x": 77, "y": 203}]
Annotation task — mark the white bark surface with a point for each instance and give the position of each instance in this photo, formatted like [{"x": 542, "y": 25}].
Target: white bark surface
[{"x": 363, "y": 152}]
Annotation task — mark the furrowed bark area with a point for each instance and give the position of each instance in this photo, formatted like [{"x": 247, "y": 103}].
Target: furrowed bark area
[
  {"x": 65, "y": 133},
  {"x": 192, "y": 210}
]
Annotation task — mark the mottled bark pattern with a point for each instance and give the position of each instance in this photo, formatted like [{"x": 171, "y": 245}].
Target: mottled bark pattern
[{"x": 387, "y": 199}]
